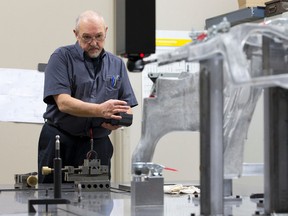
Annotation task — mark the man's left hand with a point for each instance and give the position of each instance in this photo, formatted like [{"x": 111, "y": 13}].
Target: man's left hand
[{"x": 109, "y": 126}]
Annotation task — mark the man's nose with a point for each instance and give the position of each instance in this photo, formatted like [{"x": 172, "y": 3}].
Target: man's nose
[{"x": 93, "y": 42}]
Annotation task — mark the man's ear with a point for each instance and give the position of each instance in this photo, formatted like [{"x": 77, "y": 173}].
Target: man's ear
[{"x": 75, "y": 33}]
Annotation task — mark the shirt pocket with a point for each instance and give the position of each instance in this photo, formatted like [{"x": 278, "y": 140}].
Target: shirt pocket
[{"x": 113, "y": 84}]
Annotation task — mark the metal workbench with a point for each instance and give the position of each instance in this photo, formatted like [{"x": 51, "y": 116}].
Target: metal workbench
[{"x": 113, "y": 203}]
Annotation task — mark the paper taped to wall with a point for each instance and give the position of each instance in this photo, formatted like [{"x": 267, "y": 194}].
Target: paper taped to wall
[{"x": 21, "y": 95}]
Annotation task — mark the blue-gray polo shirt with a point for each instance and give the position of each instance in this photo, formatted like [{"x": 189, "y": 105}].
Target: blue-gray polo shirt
[{"x": 70, "y": 72}]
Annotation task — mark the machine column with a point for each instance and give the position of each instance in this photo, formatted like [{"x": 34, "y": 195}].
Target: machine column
[
  {"x": 276, "y": 150},
  {"x": 211, "y": 136},
  {"x": 276, "y": 131}
]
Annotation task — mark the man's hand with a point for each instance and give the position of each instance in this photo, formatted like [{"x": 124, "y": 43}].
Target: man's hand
[
  {"x": 111, "y": 107},
  {"x": 109, "y": 126}
]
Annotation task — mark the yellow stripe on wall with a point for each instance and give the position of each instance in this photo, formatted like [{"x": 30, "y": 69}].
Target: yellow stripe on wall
[{"x": 172, "y": 42}]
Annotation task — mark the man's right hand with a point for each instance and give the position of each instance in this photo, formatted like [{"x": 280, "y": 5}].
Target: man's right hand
[{"x": 110, "y": 108}]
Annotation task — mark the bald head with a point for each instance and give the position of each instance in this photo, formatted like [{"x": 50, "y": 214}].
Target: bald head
[{"x": 89, "y": 16}]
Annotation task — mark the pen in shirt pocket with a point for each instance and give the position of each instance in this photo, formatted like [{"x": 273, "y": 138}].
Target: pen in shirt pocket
[{"x": 114, "y": 80}]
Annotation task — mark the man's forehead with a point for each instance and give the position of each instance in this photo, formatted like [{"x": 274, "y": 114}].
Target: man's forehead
[{"x": 91, "y": 28}]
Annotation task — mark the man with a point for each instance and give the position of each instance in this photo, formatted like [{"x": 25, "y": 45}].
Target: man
[{"x": 84, "y": 86}]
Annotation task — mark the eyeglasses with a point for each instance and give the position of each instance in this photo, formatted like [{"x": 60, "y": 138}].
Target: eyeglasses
[{"x": 89, "y": 38}]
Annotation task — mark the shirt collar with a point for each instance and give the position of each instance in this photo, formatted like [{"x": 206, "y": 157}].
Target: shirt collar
[{"x": 81, "y": 51}]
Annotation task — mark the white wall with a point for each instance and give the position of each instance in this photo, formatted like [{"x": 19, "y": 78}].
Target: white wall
[{"x": 32, "y": 29}]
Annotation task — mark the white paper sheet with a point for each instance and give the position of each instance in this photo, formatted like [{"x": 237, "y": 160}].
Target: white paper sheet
[{"x": 21, "y": 95}]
